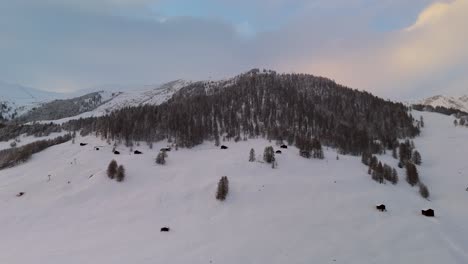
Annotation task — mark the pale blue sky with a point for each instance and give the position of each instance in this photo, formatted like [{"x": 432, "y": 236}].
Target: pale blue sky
[{"x": 69, "y": 45}]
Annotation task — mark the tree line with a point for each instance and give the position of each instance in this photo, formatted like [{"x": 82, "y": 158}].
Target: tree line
[{"x": 13, "y": 156}]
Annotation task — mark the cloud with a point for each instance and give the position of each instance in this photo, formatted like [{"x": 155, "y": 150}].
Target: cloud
[
  {"x": 437, "y": 39},
  {"x": 431, "y": 15},
  {"x": 427, "y": 57}
]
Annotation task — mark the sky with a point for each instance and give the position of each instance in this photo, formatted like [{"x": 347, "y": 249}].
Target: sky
[{"x": 397, "y": 49}]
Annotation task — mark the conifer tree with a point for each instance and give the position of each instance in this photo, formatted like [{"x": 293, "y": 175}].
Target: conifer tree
[
  {"x": 412, "y": 176},
  {"x": 317, "y": 149},
  {"x": 112, "y": 169},
  {"x": 216, "y": 135},
  {"x": 394, "y": 176},
  {"x": 252, "y": 155},
  {"x": 373, "y": 162},
  {"x": 423, "y": 190},
  {"x": 416, "y": 157},
  {"x": 161, "y": 158},
  {"x": 120, "y": 173},
  {"x": 365, "y": 158},
  {"x": 223, "y": 188},
  {"x": 387, "y": 173},
  {"x": 379, "y": 173},
  {"x": 269, "y": 154}
]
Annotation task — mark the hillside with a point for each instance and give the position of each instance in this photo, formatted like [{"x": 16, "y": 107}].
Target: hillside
[
  {"x": 149, "y": 95},
  {"x": 63, "y": 108},
  {"x": 290, "y": 107},
  {"x": 305, "y": 211}
]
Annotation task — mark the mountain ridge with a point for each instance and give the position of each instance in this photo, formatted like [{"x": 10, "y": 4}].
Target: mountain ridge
[
  {"x": 20, "y": 103},
  {"x": 458, "y": 103}
]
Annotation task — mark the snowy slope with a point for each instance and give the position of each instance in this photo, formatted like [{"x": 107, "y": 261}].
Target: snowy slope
[
  {"x": 24, "y": 140},
  {"x": 147, "y": 95},
  {"x": 305, "y": 211},
  {"x": 152, "y": 95},
  {"x": 460, "y": 103}
]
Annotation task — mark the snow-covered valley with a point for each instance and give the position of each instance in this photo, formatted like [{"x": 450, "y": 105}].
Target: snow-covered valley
[{"x": 304, "y": 211}]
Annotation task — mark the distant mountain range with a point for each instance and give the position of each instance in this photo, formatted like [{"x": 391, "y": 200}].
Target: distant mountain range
[
  {"x": 459, "y": 103},
  {"x": 26, "y": 104},
  {"x": 16, "y": 100}
]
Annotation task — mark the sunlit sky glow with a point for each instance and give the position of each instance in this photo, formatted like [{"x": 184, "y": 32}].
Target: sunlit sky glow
[{"x": 395, "y": 48}]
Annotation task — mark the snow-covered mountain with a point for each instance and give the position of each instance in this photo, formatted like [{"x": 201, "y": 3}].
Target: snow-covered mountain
[
  {"x": 459, "y": 103},
  {"x": 16, "y": 100},
  {"x": 304, "y": 211},
  {"x": 147, "y": 95},
  {"x": 29, "y": 104}
]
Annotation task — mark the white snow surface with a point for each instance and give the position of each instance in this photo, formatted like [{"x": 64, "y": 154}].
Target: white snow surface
[
  {"x": 24, "y": 140},
  {"x": 305, "y": 211}
]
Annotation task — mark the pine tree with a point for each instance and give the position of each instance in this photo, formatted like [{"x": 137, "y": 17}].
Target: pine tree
[
  {"x": 373, "y": 162},
  {"x": 416, "y": 157},
  {"x": 252, "y": 155},
  {"x": 120, "y": 173},
  {"x": 365, "y": 158},
  {"x": 394, "y": 176},
  {"x": 112, "y": 169},
  {"x": 404, "y": 149},
  {"x": 387, "y": 173},
  {"x": 223, "y": 188},
  {"x": 317, "y": 149},
  {"x": 423, "y": 190},
  {"x": 380, "y": 173},
  {"x": 161, "y": 158},
  {"x": 394, "y": 153},
  {"x": 269, "y": 154},
  {"x": 412, "y": 176},
  {"x": 217, "y": 143},
  {"x": 274, "y": 164},
  {"x": 421, "y": 120}
]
